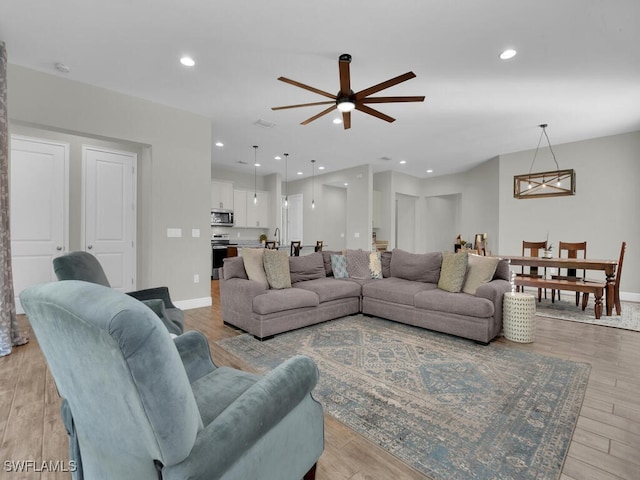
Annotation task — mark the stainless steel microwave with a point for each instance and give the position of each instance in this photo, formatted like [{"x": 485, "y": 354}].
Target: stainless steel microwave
[{"x": 221, "y": 218}]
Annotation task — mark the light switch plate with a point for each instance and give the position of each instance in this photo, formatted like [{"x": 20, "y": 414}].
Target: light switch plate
[
  {"x": 174, "y": 232},
  {"x": 195, "y": 232}
]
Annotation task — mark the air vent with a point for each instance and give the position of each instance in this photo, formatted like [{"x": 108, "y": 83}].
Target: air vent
[
  {"x": 264, "y": 123},
  {"x": 385, "y": 158},
  {"x": 242, "y": 162}
]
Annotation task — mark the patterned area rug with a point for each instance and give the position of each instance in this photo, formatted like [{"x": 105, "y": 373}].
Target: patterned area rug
[
  {"x": 567, "y": 310},
  {"x": 450, "y": 408}
]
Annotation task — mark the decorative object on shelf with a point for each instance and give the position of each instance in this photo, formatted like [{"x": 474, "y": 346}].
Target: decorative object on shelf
[
  {"x": 554, "y": 183},
  {"x": 548, "y": 253},
  {"x": 255, "y": 174},
  {"x": 313, "y": 185}
]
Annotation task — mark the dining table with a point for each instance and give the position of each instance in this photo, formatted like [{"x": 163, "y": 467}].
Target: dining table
[{"x": 607, "y": 266}]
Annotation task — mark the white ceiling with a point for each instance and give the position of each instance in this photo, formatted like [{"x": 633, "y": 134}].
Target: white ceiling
[{"x": 577, "y": 69}]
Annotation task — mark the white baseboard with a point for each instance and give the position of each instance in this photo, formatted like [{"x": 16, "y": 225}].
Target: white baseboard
[
  {"x": 630, "y": 297},
  {"x": 193, "y": 303}
]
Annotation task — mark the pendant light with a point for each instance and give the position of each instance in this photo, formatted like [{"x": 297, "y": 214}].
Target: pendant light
[
  {"x": 255, "y": 174},
  {"x": 313, "y": 185},
  {"x": 286, "y": 187}
]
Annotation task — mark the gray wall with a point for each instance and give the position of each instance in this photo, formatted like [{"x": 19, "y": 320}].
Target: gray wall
[
  {"x": 604, "y": 210},
  {"x": 174, "y": 180}
]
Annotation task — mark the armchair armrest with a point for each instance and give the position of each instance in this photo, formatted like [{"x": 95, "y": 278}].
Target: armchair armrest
[
  {"x": 248, "y": 418},
  {"x": 195, "y": 354},
  {"x": 152, "y": 293}
]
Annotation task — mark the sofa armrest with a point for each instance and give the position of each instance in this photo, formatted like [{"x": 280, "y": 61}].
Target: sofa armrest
[
  {"x": 248, "y": 418},
  {"x": 195, "y": 354},
  {"x": 494, "y": 290},
  {"x": 236, "y": 294}
]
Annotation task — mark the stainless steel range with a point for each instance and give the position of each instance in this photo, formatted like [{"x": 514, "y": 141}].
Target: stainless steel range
[{"x": 219, "y": 244}]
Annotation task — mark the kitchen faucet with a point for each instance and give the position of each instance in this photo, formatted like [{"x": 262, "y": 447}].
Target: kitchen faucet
[{"x": 277, "y": 235}]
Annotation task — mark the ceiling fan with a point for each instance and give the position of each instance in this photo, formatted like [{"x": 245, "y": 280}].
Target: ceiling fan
[{"x": 346, "y": 100}]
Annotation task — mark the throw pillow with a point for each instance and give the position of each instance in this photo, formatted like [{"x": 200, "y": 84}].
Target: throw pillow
[
  {"x": 452, "y": 273},
  {"x": 420, "y": 267},
  {"x": 326, "y": 257},
  {"x": 233, "y": 267},
  {"x": 276, "y": 267},
  {"x": 479, "y": 271},
  {"x": 385, "y": 259},
  {"x": 375, "y": 265},
  {"x": 306, "y": 267},
  {"x": 253, "y": 264},
  {"x": 339, "y": 266},
  {"x": 358, "y": 264}
]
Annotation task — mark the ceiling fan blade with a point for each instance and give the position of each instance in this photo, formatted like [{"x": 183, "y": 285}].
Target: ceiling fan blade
[
  {"x": 391, "y": 99},
  {"x": 303, "y": 105},
  {"x": 315, "y": 117},
  {"x": 346, "y": 120},
  {"x": 306, "y": 87},
  {"x": 375, "y": 113},
  {"x": 345, "y": 77},
  {"x": 381, "y": 86}
]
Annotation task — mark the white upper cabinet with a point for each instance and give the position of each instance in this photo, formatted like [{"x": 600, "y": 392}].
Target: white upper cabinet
[
  {"x": 221, "y": 194},
  {"x": 250, "y": 214}
]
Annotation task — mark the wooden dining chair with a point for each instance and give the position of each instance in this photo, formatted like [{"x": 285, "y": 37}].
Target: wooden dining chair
[
  {"x": 532, "y": 249},
  {"x": 572, "y": 250},
  {"x": 319, "y": 244},
  {"x": 616, "y": 286},
  {"x": 295, "y": 248},
  {"x": 270, "y": 245}
]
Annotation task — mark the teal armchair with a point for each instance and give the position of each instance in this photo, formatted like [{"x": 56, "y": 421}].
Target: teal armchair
[
  {"x": 86, "y": 267},
  {"x": 139, "y": 404}
]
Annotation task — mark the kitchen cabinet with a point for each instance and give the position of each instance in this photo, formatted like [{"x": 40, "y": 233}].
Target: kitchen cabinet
[
  {"x": 249, "y": 214},
  {"x": 222, "y": 194}
]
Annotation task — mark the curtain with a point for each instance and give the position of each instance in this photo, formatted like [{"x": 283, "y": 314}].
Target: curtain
[{"x": 9, "y": 333}]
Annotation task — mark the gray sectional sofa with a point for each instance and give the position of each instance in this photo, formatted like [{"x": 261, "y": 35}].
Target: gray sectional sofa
[{"x": 407, "y": 292}]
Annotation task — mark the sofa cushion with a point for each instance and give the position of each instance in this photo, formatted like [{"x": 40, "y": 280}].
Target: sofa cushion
[
  {"x": 459, "y": 303},
  {"x": 452, "y": 273},
  {"x": 503, "y": 272},
  {"x": 233, "y": 267},
  {"x": 306, "y": 267},
  {"x": 252, "y": 258},
  {"x": 385, "y": 260},
  {"x": 329, "y": 289},
  {"x": 339, "y": 266},
  {"x": 421, "y": 267},
  {"x": 326, "y": 258},
  {"x": 396, "y": 290},
  {"x": 276, "y": 267},
  {"x": 375, "y": 265},
  {"x": 287, "y": 299},
  {"x": 358, "y": 264},
  {"x": 480, "y": 270}
]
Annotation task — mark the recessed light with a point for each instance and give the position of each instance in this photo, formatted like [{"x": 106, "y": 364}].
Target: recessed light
[
  {"x": 320, "y": 168},
  {"x": 429, "y": 171},
  {"x": 187, "y": 61},
  {"x": 219, "y": 144},
  {"x": 299, "y": 173},
  {"x": 402, "y": 162},
  {"x": 337, "y": 121},
  {"x": 277, "y": 157},
  {"x": 256, "y": 164},
  {"x": 507, "y": 54},
  {"x": 61, "y": 67},
  {"x": 346, "y": 184}
]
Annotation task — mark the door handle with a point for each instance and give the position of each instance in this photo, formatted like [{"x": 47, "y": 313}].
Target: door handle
[{"x": 89, "y": 247}]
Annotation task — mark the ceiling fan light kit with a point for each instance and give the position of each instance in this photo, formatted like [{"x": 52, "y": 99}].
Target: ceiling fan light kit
[{"x": 346, "y": 100}]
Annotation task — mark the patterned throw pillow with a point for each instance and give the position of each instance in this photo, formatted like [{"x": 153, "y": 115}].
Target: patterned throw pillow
[
  {"x": 339, "y": 266},
  {"x": 479, "y": 271},
  {"x": 454, "y": 268},
  {"x": 252, "y": 258},
  {"x": 375, "y": 265},
  {"x": 276, "y": 267},
  {"x": 358, "y": 264}
]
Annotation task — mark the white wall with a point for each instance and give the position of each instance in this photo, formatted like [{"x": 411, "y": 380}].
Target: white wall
[
  {"x": 174, "y": 172},
  {"x": 442, "y": 222},
  {"x": 604, "y": 210}
]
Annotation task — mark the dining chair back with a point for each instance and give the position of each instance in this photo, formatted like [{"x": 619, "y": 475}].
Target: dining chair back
[
  {"x": 533, "y": 249},
  {"x": 270, "y": 245},
  {"x": 572, "y": 249},
  {"x": 296, "y": 245},
  {"x": 319, "y": 244}
]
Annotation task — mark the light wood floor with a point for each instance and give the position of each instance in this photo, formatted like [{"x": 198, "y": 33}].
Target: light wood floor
[{"x": 605, "y": 446}]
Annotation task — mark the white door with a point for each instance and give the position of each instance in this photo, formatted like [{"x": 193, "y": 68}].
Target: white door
[
  {"x": 109, "y": 213},
  {"x": 39, "y": 173}
]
